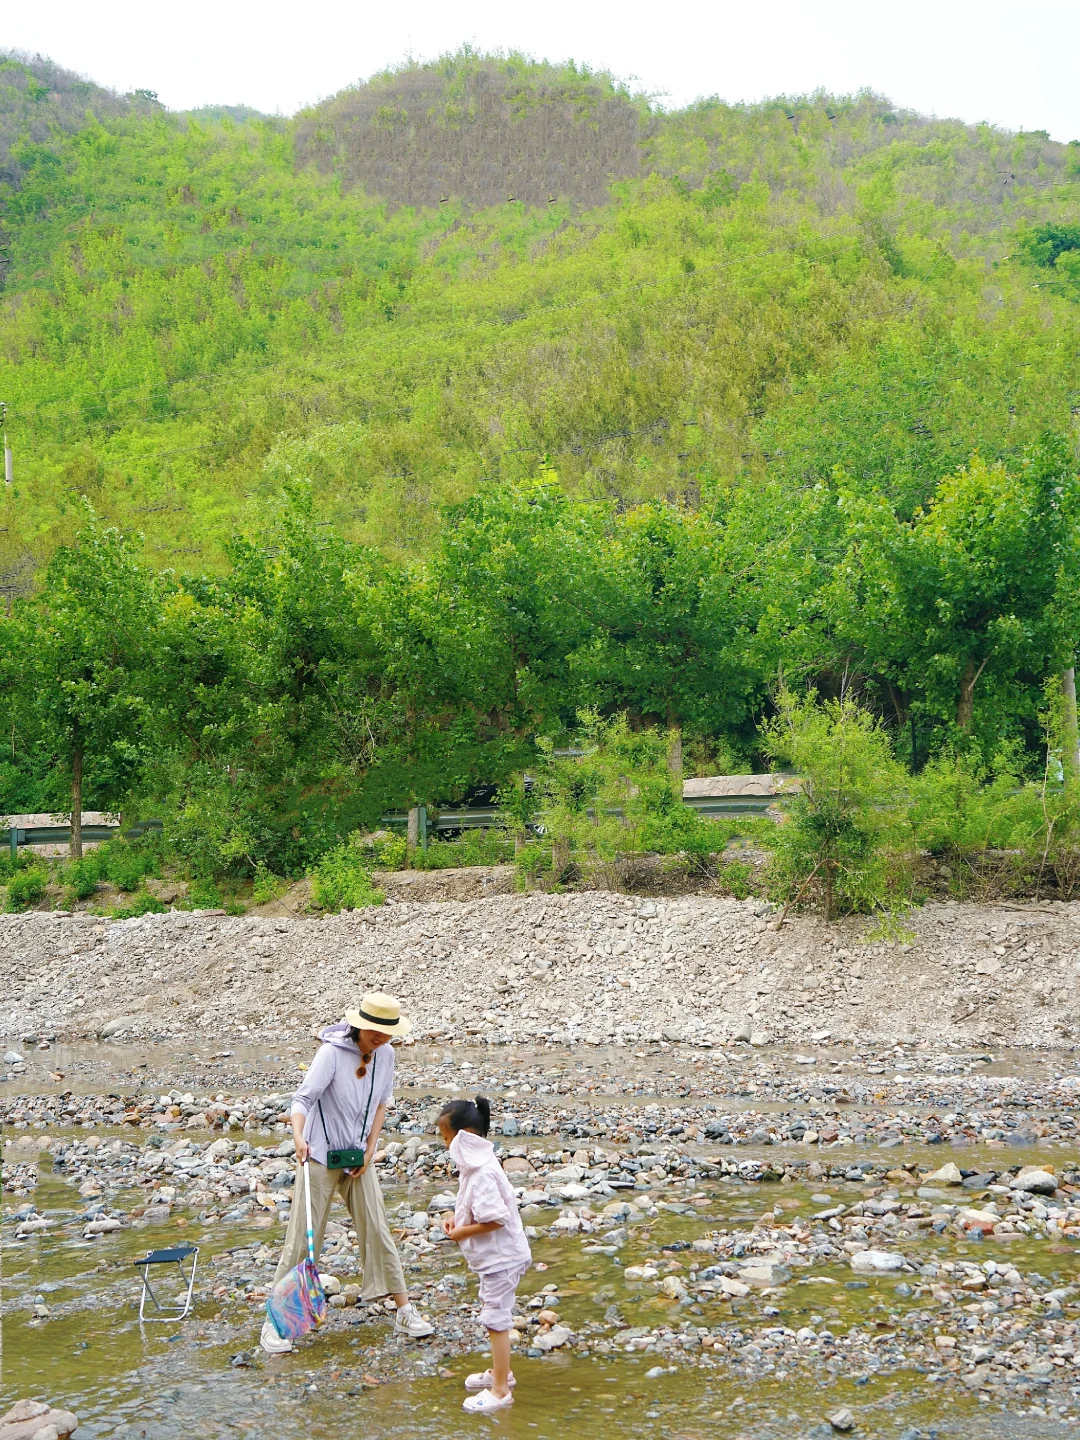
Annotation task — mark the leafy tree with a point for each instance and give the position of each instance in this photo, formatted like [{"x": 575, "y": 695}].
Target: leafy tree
[
  {"x": 980, "y": 589},
  {"x": 77, "y": 666}
]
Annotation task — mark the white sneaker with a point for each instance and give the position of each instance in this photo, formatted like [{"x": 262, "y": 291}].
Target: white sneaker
[
  {"x": 410, "y": 1322},
  {"x": 272, "y": 1342}
]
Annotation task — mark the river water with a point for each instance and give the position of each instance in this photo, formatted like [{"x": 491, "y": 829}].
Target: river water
[{"x": 204, "y": 1377}]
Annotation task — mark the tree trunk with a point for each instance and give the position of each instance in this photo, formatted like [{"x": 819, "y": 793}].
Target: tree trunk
[
  {"x": 965, "y": 707},
  {"x": 674, "y": 761},
  {"x": 1071, "y": 737},
  {"x": 75, "y": 846},
  {"x": 412, "y": 835}
]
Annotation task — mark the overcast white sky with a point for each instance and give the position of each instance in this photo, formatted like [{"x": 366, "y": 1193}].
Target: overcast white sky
[{"x": 1016, "y": 64}]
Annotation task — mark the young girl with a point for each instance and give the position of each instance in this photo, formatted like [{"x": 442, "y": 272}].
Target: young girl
[{"x": 488, "y": 1228}]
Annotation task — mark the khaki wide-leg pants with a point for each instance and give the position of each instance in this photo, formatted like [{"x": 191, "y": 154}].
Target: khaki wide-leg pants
[{"x": 363, "y": 1199}]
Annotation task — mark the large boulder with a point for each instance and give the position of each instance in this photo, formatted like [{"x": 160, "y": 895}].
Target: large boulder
[{"x": 1035, "y": 1180}]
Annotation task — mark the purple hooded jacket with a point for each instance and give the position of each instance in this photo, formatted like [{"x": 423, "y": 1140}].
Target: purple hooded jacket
[{"x": 331, "y": 1080}]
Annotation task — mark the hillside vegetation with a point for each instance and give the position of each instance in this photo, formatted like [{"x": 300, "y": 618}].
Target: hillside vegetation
[{"x": 486, "y": 394}]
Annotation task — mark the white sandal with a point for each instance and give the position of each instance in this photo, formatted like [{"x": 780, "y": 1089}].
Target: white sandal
[
  {"x": 482, "y": 1380},
  {"x": 485, "y": 1402}
]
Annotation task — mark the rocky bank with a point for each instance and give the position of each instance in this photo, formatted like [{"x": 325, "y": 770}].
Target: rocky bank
[{"x": 595, "y": 967}]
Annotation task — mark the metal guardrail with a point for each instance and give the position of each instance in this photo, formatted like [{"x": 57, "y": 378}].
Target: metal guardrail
[
  {"x": 487, "y": 817},
  {"x": 61, "y": 834}
]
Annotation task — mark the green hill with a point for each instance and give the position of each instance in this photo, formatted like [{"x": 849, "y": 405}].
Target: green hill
[{"x": 196, "y": 307}]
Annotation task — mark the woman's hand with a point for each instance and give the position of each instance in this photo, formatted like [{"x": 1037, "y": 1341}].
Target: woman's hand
[
  {"x": 360, "y": 1169},
  {"x": 300, "y": 1145}
]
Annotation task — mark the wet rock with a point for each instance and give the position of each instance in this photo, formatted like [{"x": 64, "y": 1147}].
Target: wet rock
[
  {"x": 948, "y": 1175},
  {"x": 29, "y": 1419},
  {"x": 117, "y": 1026},
  {"x": 842, "y": 1420},
  {"x": 876, "y": 1262},
  {"x": 765, "y": 1276},
  {"x": 554, "y": 1339},
  {"x": 1035, "y": 1180},
  {"x": 32, "y": 1226},
  {"x": 12, "y": 1057},
  {"x": 105, "y": 1226},
  {"x": 640, "y": 1272}
]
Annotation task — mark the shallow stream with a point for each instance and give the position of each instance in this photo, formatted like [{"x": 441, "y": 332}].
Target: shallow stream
[{"x": 204, "y": 1377}]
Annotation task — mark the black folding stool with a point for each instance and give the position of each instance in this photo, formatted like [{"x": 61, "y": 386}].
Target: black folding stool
[{"x": 169, "y": 1310}]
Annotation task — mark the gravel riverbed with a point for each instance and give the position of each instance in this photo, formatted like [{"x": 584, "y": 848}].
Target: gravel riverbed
[{"x": 863, "y": 1222}]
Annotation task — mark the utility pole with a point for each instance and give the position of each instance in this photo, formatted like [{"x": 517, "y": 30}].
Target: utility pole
[
  {"x": 8, "y": 475},
  {"x": 1071, "y": 727}
]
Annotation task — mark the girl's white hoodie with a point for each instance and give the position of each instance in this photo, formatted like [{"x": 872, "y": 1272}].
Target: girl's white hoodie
[{"x": 485, "y": 1194}]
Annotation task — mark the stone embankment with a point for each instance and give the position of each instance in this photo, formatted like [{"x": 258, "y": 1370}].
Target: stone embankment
[{"x": 595, "y": 967}]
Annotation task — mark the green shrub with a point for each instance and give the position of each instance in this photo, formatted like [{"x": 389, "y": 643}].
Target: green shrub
[
  {"x": 26, "y": 887},
  {"x": 622, "y": 796},
  {"x": 342, "y": 881},
  {"x": 21, "y": 861},
  {"x": 735, "y": 877},
  {"x": 957, "y": 808},
  {"x": 844, "y": 843},
  {"x": 204, "y": 895},
  {"x": 141, "y": 903},
  {"x": 532, "y": 861},
  {"x": 126, "y": 863},
  {"x": 388, "y": 852},
  {"x": 266, "y": 886},
  {"x": 80, "y": 877},
  {"x": 472, "y": 847}
]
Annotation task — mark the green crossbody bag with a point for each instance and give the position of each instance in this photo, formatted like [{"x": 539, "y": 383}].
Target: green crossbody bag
[{"x": 351, "y": 1158}]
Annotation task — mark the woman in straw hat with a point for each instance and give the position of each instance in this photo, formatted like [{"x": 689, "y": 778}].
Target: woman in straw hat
[{"x": 341, "y": 1105}]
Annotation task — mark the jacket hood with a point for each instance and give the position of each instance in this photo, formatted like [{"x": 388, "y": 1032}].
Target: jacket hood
[
  {"x": 469, "y": 1151},
  {"x": 338, "y": 1034}
]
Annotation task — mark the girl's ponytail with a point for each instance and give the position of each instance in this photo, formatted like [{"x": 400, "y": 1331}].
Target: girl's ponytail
[{"x": 468, "y": 1115}]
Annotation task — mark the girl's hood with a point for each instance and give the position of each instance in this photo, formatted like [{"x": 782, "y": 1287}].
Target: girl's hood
[
  {"x": 469, "y": 1151},
  {"x": 338, "y": 1035}
]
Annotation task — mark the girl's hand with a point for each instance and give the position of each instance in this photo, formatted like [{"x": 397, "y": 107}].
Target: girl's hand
[{"x": 449, "y": 1229}]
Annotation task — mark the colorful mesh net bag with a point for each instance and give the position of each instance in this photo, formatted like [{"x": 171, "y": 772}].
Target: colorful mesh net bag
[{"x": 297, "y": 1303}]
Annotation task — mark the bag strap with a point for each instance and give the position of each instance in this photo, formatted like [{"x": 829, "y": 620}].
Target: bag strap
[
  {"x": 367, "y": 1107},
  {"x": 370, "y": 1093}
]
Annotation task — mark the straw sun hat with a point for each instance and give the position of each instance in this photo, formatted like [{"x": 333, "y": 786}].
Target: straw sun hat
[{"x": 379, "y": 1012}]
